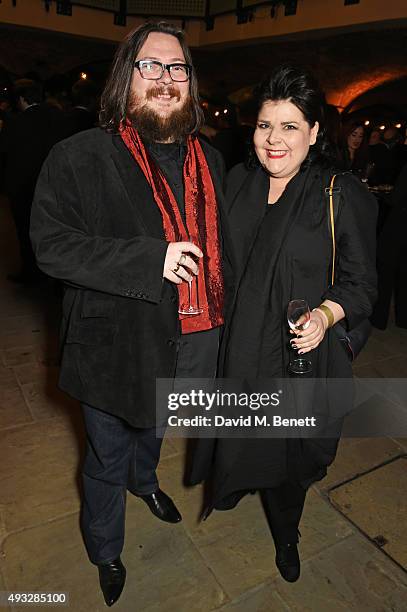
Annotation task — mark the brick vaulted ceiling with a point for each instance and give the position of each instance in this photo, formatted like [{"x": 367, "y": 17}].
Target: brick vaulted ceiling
[{"x": 348, "y": 64}]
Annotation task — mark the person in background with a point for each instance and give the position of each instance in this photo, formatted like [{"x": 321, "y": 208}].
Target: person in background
[
  {"x": 393, "y": 140},
  {"x": 6, "y": 115},
  {"x": 207, "y": 131},
  {"x": 228, "y": 139},
  {"x": 392, "y": 137},
  {"x": 26, "y": 141},
  {"x": 82, "y": 115},
  {"x": 334, "y": 131},
  {"x": 56, "y": 92},
  {"x": 391, "y": 259},
  {"x": 5, "y": 108},
  {"x": 375, "y": 138},
  {"x": 355, "y": 151},
  {"x": 379, "y": 156}
]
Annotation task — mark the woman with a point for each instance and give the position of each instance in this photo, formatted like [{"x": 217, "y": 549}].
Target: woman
[
  {"x": 355, "y": 149},
  {"x": 278, "y": 213}
]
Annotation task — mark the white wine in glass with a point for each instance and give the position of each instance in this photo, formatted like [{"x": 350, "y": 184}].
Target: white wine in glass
[
  {"x": 299, "y": 317},
  {"x": 192, "y": 306}
]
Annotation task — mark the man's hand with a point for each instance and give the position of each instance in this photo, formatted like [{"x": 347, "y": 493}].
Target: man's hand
[{"x": 178, "y": 264}]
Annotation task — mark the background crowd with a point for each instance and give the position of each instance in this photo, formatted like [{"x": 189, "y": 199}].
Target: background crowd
[{"x": 34, "y": 116}]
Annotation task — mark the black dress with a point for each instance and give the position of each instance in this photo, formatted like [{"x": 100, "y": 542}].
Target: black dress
[{"x": 284, "y": 253}]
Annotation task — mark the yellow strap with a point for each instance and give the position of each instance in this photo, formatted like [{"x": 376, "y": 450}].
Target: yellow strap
[{"x": 332, "y": 218}]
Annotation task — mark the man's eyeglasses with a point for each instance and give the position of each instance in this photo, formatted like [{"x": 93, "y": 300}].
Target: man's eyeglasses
[{"x": 153, "y": 70}]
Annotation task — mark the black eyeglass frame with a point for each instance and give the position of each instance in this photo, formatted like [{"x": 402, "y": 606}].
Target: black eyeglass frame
[{"x": 164, "y": 67}]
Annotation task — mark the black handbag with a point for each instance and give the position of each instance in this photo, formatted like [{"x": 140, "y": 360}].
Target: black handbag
[{"x": 354, "y": 340}]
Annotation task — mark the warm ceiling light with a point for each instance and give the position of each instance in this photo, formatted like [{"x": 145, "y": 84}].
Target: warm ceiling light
[
  {"x": 398, "y": 125},
  {"x": 84, "y": 76},
  {"x": 382, "y": 127},
  {"x": 367, "y": 122},
  {"x": 225, "y": 110},
  {"x": 217, "y": 114}
]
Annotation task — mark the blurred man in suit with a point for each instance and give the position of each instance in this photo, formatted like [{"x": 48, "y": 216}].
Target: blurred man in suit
[
  {"x": 25, "y": 142},
  {"x": 82, "y": 115}
]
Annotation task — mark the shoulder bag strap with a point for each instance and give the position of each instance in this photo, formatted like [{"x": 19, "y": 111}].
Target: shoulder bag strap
[{"x": 332, "y": 223}]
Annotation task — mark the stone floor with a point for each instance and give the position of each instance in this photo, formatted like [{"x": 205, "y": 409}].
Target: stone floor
[{"x": 354, "y": 530}]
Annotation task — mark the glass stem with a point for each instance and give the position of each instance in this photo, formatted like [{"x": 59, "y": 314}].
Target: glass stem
[{"x": 190, "y": 294}]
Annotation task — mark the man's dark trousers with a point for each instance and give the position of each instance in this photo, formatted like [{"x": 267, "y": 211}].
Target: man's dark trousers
[{"x": 120, "y": 457}]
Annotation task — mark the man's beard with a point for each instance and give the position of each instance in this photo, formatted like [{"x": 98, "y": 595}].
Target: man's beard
[{"x": 156, "y": 128}]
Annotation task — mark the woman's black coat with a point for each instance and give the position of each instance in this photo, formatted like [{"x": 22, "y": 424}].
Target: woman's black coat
[
  {"x": 292, "y": 261},
  {"x": 96, "y": 226}
]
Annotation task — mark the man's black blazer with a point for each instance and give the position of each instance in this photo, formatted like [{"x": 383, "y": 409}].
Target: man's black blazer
[{"x": 96, "y": 226}]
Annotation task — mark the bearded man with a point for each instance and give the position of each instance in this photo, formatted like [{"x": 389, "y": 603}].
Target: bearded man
[{"x": 126, "y": 215}]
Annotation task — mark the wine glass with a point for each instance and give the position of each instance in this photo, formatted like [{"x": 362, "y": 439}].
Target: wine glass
[
  {"x": 299, "y": 317},
  {"x": 192, "y": 306}
]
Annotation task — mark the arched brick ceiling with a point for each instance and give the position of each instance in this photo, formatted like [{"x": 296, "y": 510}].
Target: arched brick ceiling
[
  {"x": 395, "y": 90},
  {"x": 347, "y": 65},
  {"x": 344, "y": 96}
]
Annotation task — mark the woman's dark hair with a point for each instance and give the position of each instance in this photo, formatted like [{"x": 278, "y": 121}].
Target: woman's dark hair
[
  {"x": 117, "y": 89},
  {"x": 296, "y": 85}
]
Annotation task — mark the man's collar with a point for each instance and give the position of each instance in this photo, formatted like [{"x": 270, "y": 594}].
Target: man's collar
[
  {"x": 167, "y": 150},
  {"x": 152, "y": 144}
]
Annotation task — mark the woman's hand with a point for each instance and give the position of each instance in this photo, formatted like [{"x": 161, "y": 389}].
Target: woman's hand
[{"x": 308, "y": 339}]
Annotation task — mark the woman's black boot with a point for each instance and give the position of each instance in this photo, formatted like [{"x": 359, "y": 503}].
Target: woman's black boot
[{"x": 288, "y": 561}]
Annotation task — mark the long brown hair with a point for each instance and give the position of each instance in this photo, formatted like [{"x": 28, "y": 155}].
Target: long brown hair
[
  {"x": 361, "y": 155},
  {"x": 117, "y": 89}
]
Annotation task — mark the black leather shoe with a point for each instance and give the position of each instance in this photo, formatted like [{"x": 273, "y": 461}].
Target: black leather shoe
[
  {"x": 162, "y": 506},
  {"x": 288, "y": 561},
  {"x": 112, "y": 577}
]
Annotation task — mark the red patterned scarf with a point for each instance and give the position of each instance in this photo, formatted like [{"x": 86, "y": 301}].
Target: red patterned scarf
[{"x": 201, "y": 224}]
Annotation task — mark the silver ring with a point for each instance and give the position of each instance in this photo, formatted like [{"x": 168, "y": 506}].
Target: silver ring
[{"x": 182, "y": 259}]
